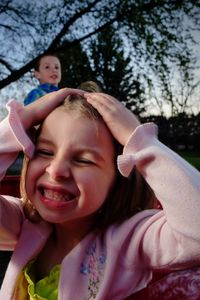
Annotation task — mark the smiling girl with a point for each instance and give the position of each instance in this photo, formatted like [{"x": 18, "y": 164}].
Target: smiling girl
[{"x": 82, "y": 229}]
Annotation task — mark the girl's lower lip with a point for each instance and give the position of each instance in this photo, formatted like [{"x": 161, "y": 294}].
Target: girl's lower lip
[{"x": 58, "y": 205}]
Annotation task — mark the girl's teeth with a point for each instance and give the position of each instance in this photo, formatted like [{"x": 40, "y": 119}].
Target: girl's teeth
[{"x": 55, "y": 195}]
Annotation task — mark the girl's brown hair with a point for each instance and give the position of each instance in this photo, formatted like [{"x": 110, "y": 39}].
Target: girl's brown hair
[{"x": 127, "y": 196}]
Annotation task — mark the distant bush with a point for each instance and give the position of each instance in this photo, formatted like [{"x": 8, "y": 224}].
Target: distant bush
[{"x": 181, "y": 132}]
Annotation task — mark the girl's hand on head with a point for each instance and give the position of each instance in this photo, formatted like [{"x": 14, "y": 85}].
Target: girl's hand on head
[
  {"x": 120, "y": 120},
  {"x": 37, "y": 111}
]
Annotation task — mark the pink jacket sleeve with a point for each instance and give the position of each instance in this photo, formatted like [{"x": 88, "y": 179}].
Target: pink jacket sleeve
[
  {"x": 175, "y": 231},
  {"x": 13, "y": 139}
]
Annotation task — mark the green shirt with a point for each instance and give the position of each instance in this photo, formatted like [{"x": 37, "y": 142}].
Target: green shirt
[{"x": 44, "y": 289}]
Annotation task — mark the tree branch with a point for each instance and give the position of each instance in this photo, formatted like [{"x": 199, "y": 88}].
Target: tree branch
[
  {"x": 16, "y": 74},
  {"x": 7, "y": 65}
]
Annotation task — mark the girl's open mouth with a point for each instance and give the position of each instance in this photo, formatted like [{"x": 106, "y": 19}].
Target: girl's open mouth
[
  {"x": 56, "y": 199},
  {"x": 57, "y": 196}
]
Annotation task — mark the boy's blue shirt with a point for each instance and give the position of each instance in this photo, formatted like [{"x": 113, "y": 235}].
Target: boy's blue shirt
[{"x": 40, "y": 91}]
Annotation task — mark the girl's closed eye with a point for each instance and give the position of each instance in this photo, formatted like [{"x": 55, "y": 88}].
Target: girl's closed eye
[
  {"x": 42, "y": 152},
  {"x": 84, "y": 161}
]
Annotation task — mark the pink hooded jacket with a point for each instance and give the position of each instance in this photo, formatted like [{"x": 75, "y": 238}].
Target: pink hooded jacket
[{"x": 119, "y": 262}]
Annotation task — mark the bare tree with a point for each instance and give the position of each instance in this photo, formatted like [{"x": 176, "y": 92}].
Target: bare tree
[{"x": 154, "y": 32}]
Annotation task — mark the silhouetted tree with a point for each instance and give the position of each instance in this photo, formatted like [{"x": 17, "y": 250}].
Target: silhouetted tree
[{"x": 154, "y": 31}]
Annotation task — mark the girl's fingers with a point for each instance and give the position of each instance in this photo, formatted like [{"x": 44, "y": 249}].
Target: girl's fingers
[
  {"x": 118, "y": 118},
  {"x": 106, "y": 105},
  {"x": 55, "y": 98},
  {"x": 35, "y": 112}
]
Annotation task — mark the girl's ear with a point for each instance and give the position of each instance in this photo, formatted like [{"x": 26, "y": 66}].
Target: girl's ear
[{"x": 37, "y": 74}]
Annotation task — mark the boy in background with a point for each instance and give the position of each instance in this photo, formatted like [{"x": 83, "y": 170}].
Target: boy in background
[{"x": 48, "y": 72}]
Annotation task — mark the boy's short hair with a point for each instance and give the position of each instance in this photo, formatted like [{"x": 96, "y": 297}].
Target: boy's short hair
[{"x": 37, "y": 63}]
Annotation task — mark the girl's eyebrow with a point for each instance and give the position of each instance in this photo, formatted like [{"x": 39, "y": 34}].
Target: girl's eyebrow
[{"x": 44, "y": 140}]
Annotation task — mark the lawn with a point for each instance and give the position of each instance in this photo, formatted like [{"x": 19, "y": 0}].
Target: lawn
[{"x": 192, "y": 158}]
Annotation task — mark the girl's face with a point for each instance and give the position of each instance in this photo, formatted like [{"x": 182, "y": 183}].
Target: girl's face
[
  {"x": 49, "y": 70},
  {"x": 73, "y": 167}
]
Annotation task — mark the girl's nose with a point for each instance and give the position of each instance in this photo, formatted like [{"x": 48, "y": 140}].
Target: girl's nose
[{"x": 58, "y": 169}]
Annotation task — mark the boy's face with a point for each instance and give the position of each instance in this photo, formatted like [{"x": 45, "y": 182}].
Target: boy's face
[
  {"x": 72, "y": 170},
  {"x": 49, "y": 70}
]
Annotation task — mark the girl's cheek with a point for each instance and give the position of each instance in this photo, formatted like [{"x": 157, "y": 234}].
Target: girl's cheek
[{"x": 35, "y": 167}]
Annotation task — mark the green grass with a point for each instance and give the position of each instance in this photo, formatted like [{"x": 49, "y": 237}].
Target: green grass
[{"x": 192, "y": 158}]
